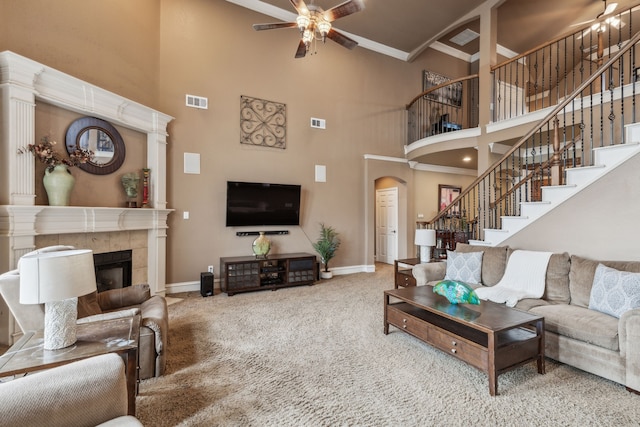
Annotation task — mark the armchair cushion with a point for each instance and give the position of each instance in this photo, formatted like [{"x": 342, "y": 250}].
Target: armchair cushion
[
  {"x": 124, "y": 297},
  {"x": 88, "y": 305},
  {"x": 88, "y": 392}
]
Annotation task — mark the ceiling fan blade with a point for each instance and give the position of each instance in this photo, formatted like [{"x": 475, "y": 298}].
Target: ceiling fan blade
[
  {"x": 580, "y": 24},
  {"x": 260, "y": 27},
  {"x": 610, "y": 8},
  {"x": 341, "y": 39},
  {"x": 344, "y": 9},
  {"x": 302, "y": 50},
  {"x": 300, "y": 6}
]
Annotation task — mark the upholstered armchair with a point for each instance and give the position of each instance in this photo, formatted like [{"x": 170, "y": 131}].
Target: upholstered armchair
[
  {"x": 154, "y": 325},
  {"x": 89, "y": 392}
]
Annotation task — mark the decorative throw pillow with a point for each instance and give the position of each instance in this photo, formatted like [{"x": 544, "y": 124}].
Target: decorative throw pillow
[
  {"x": 456, "y": 292},
  {"x": 614, "y": 291},
  {"x": 464, "y": 267}
]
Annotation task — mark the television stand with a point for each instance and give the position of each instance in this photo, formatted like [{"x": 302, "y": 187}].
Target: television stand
[{"x": 248, "y": 273}]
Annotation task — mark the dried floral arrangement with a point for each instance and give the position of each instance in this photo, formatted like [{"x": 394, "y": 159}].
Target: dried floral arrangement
[{"x": 45, "y": 152}]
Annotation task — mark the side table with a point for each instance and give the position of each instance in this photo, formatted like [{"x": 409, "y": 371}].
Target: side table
[
  {"x": 94, "y": 338},
  {"x": 403, "y": 272}
]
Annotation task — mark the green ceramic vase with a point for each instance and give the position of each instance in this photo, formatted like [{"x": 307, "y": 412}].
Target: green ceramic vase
[
  {"x": 58, "y": 183},
  {"x": 261, "y": 246}
]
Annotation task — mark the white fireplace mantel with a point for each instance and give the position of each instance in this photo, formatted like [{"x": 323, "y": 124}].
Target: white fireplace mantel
[{"x": 22, "y": 83}]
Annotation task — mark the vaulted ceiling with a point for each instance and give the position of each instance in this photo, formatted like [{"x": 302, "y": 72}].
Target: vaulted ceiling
[{"x": 404, "y": 28}]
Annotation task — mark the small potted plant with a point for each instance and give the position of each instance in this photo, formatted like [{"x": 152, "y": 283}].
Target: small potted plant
[{"x": 326, "y": 246}]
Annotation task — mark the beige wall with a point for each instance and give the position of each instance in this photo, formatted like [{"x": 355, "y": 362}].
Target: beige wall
[{"x": 156, "y": 51}]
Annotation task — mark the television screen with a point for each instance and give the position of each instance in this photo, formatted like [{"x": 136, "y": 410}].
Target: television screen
[{"x": 253, "y": 204}]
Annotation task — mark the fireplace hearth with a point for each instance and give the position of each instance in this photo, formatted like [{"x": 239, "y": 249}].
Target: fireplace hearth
[{"x": 113, "y": 270}]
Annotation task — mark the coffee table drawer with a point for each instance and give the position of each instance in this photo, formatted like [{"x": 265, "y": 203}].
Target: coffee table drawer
[
  {"x": 460, "y": 348},
  {"x": 408, "y": 323}
]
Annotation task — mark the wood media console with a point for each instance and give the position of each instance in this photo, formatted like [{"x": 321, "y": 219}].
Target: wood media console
[{"x": 248, "y": 273}]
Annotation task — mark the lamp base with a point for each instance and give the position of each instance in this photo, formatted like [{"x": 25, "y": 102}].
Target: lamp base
[
  {"x": 60, "y": 323},
  {"x": 425, "y": 254}
]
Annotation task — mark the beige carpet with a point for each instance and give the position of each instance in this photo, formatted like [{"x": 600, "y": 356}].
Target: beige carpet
[{"x": 317, "y": 356}]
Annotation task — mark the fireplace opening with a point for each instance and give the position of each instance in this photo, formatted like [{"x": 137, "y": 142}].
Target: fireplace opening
[{"x": 113, "y": 270}]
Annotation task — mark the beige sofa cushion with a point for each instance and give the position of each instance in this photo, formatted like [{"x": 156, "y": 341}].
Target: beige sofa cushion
[
  {"x": 557, "y": 279},
  {"x": 582, "y": 272},
  {"x": 494, "y": 261},
  {"x": 581, "y": 324}
]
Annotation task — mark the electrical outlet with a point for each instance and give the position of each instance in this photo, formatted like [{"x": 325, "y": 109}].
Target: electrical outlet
[{"x": 210, "y": 269}]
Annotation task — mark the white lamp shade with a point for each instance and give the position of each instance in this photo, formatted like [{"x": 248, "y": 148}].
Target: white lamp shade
[
  {"x": 55, "y": 276},
  {"x": 425, "y": 237}
]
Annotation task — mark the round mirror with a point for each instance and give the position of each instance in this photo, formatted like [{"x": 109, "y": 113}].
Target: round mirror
[{"x": 104, "y": 140}]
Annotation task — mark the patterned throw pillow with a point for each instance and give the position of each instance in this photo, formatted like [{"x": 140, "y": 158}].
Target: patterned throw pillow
[
  {"x": 614, "y": 291},
  {"x": 464, "y": 267}
]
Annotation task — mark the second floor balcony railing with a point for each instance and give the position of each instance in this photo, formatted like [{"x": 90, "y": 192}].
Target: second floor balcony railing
[
  {"x": 444, "y": 108},
  {"x": 544, "y": 76}
]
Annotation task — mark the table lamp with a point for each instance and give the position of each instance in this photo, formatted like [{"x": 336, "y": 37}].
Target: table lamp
[
  {"x": 57, "y": 279},
  {"x": 426, "y": 239}
]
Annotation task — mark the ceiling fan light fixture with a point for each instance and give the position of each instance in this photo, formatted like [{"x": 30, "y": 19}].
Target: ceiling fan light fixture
[
  {"x": 307, "y": 37},
  {"x": 323, "y": 28},
  {"x": 303, "y": 22}
]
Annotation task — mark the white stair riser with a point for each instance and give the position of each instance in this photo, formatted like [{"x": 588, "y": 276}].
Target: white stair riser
[
  {"x": 513, "y": 224},
  {"x": 579, "y": 176},
  {"x": 612, "y": 155},
  {"x": 557, "y": 194},
  {"x": 633, "y": 132},
  {"x": 495, "y": 236},
  {"x": 534, "y": 209}
]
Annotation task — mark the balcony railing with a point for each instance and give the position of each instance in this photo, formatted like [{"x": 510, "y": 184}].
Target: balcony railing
[
  {"x": 444, "y": 108},
  {"x": 546, "y": 75}
]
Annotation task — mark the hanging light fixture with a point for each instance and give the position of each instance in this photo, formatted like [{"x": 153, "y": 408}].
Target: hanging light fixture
[{"x": 312, "y": 25}]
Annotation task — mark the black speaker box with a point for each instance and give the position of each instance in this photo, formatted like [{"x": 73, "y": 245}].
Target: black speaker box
[{"x": 206, "y": 284}]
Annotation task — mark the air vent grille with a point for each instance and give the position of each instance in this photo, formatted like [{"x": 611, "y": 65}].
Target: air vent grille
[
  {"x": 318, "y": 123},
  {"x": 197, "y": 102}
]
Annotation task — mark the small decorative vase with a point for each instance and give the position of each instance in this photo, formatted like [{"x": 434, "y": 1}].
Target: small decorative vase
[
  {"x": 326, "y": 274},
  {"x": 261, "y": 246},
  {"x": 58, "y": 183}
]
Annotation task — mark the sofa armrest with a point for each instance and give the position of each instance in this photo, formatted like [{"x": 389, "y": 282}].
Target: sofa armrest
[
  {"x": 629, "y": 335},
  {"x": 88, "y": 392},
  {"x": 155, "y": 316},
  {"x": 118, "y": 298},
  {"x": 429, "y": 272}
]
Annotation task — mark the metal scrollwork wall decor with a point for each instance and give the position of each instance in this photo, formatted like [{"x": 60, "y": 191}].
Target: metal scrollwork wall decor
[{"x": 263, "y": 123}]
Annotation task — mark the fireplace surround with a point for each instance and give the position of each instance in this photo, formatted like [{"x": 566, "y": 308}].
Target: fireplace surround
[{"x": 24, "y": 83}]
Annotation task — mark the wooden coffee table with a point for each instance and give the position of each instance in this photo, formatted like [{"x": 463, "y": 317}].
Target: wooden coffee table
[
  {"x": 491, "y": 337},
  {"x": 94, "y": 338}
]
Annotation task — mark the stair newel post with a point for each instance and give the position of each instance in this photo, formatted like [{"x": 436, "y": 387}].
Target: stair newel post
[{"x": 556, "y": 164}]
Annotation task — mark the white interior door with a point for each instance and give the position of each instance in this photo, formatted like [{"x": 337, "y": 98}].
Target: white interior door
[{"x": 387, "y": 225}]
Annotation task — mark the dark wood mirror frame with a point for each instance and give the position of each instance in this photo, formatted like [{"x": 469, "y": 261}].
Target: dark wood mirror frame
[{"x": 85, "y": 124}]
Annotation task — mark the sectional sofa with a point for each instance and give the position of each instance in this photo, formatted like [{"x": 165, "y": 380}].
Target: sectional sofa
[{"x": 586, "y": 338}]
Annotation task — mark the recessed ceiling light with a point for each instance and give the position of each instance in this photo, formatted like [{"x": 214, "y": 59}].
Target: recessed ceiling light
[
  {"x": 466, "y": 159},
  {"x": 464, "y": 37}
]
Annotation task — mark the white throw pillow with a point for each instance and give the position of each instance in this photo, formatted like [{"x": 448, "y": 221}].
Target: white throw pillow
[
  {"x": 614, "y": 291},
  {"x": 464, "y": 267}
]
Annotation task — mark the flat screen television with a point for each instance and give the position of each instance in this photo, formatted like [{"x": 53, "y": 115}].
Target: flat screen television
[{"x": 254, "y": 204}]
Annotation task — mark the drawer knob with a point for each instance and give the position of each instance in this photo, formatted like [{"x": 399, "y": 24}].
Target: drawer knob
[
  {"x": 404, "y": 326},
  {"x": 454, "y": 343},
  {"x": 404, "y": 320},
  {"x": 454, "y": 351}
]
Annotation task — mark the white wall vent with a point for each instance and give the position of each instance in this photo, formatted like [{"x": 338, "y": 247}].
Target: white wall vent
[
  {"x": 197, "y": 102},
  {"x": 318, "y": 123}
]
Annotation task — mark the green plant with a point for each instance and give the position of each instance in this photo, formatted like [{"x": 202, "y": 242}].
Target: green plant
[{"x": 327, "y": 244}]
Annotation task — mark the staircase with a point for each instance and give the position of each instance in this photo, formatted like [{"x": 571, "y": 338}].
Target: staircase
[{"x": 606, "y": 159}]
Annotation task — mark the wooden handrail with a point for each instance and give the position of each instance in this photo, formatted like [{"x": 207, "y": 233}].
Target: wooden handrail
[
  {"x": 532, "y": 174},
  {"x": 440, "y": 86},
  {"x": 537, "y": 127}
]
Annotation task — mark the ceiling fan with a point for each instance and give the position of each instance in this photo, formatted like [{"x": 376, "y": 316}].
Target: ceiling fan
[
  {"x": 314, "y": 23},
  {"x": 600, "y": 27}
]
